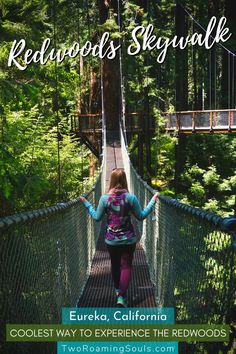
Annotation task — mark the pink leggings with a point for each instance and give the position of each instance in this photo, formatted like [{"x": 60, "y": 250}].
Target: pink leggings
[{"x": 121, "y": 265}]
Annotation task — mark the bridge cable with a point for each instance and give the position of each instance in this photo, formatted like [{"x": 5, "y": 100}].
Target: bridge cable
[
  {"x": 78, "y": 109},
  {"x": 122, "y": 120},
  {"x": 192, "y": 52},
  {"x": 103, "y": 110},
  {"x": 82, "y": 166},
  {"x": 229, "y": 81},
  {"x": 56, "y": 93},
  {"x": 90, "y": 73},
  {"x": 215, "y": 76},
  {"x": 233, "y": 73},
  {"x": 210, "y": 84},
  {"x": 212, "y": 77}
]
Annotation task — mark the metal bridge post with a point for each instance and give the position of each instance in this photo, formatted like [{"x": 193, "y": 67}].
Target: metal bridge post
[
  {"x": 211, "y": 122},
  {"x": 59, "y": 276},
  {"x": 229, "y": 224}
]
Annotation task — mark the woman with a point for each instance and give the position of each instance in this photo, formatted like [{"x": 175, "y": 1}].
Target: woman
[{"x": 120, "y": 237}]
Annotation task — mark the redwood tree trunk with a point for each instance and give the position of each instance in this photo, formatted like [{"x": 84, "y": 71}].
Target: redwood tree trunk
[
  {"x": 111, "y": 75},
  {"x": 213, "y": 10},
  {"x": 181, "y": 61},
  {"x": 227, "y": 101}
]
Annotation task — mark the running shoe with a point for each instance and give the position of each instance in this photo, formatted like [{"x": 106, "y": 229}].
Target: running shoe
[{"x": 121, "y": 301}]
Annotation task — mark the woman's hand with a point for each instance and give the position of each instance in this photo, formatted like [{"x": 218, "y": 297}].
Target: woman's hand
[
  {"x": 82, "y": 199},
  {"x": 155, "y": 197}
]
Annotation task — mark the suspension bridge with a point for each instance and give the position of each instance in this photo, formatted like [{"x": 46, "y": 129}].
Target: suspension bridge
[
  {"x": 55, "y": 257},
  {"x": 49, "y": 259}
]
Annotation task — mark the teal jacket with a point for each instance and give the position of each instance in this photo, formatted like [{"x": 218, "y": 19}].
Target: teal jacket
[{"x": 136, "y": 210}]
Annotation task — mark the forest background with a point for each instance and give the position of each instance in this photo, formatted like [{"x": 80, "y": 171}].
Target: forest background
[{"x": 42, "y": 163}]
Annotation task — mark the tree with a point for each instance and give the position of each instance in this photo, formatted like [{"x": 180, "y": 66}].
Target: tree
[{"x": 110, "y": 68}]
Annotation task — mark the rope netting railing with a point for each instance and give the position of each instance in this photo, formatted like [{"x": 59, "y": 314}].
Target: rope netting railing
[
  {"x": 45, "y": 257},
  {"x": 191, "y": 256}
]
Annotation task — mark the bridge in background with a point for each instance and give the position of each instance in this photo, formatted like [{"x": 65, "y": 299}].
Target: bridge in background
[
  {"x": 202, "y": 121},
  {"x": 208, "y": 121}
]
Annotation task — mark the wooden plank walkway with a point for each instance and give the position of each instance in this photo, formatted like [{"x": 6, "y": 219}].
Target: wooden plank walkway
[{"x": 99, "y": 290}]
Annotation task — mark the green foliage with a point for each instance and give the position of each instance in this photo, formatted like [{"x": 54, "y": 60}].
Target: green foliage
[
  {"x": 28, "y": 169},
  {"x": 211, "y": 177},
  {"x": 197, "y": 191},
  {"x": 28, "y": 121},
  {"x": 208, "y": 178}
]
